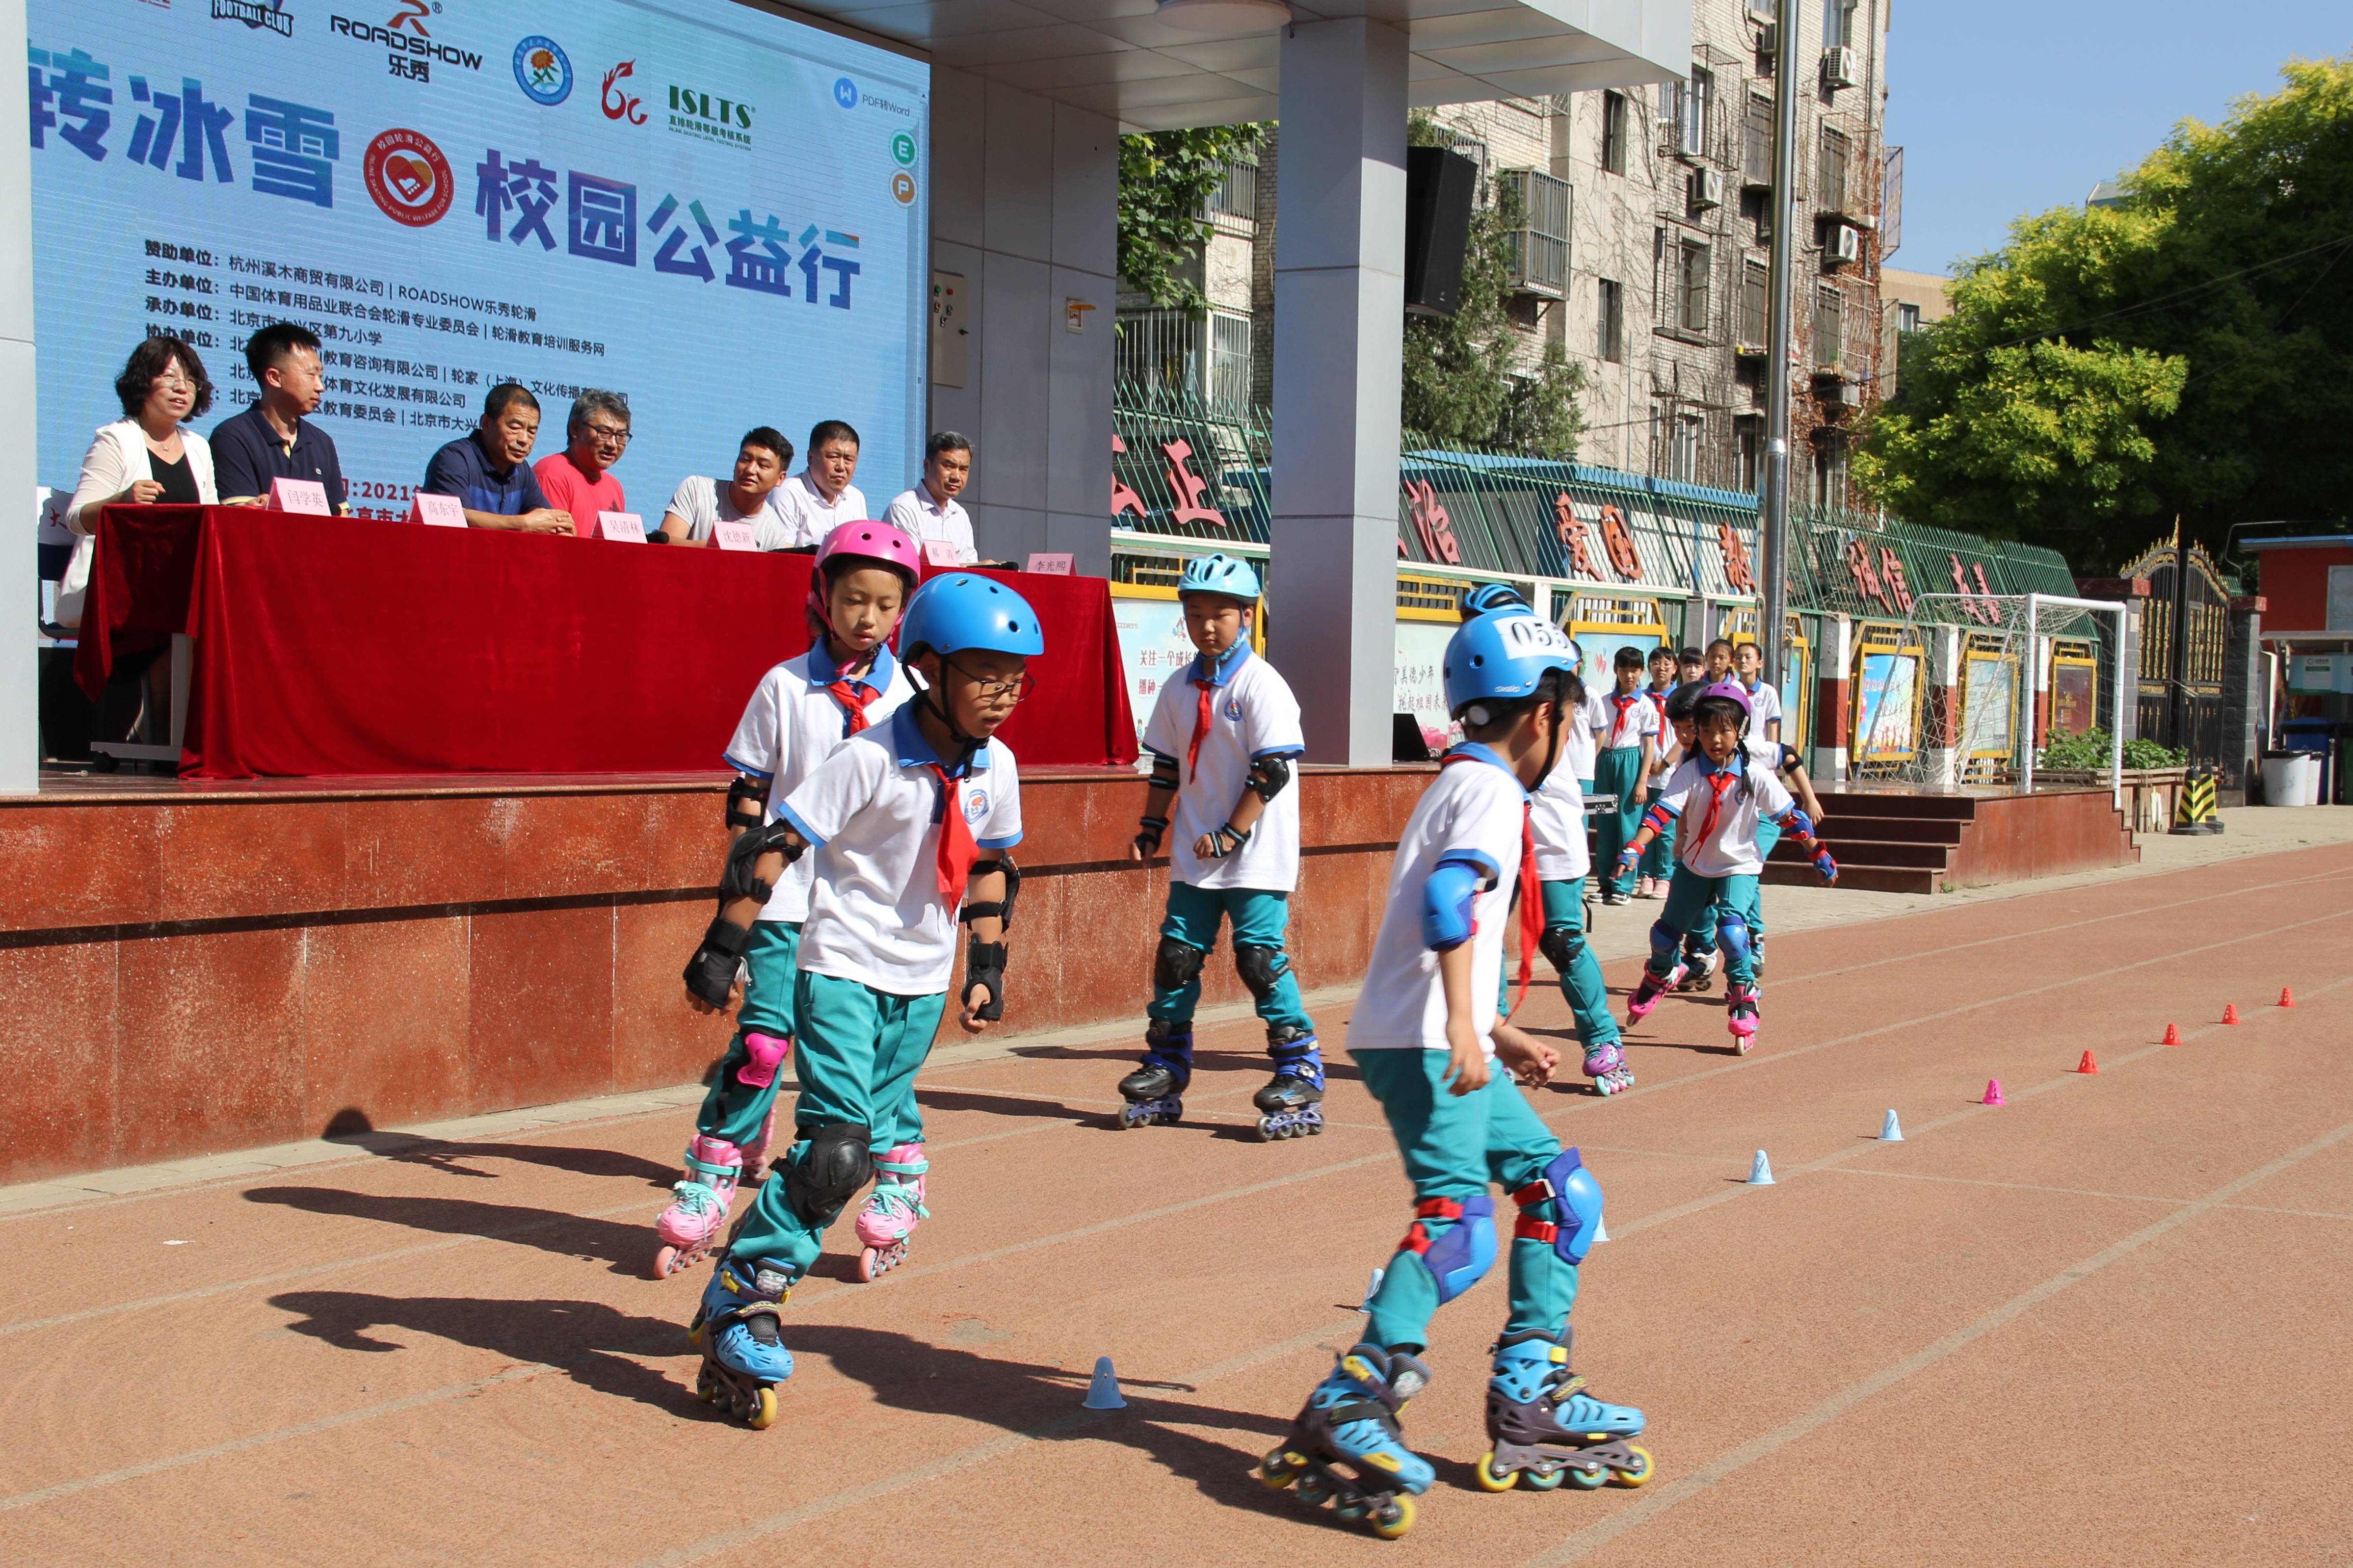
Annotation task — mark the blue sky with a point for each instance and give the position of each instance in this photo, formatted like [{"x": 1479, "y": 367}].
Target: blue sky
[{"x": 2007, "y": 107}]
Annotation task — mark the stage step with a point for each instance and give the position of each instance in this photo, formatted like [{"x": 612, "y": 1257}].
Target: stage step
[
  {"x": 1913, "y": 807},
  {"x": 1864, "y": 852},
  {"x": 1842, "y": 826},
  {"x": 1862, "y": 879}
]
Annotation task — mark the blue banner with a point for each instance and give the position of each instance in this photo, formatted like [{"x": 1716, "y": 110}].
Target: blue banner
[{"x": 720, "y": 217}]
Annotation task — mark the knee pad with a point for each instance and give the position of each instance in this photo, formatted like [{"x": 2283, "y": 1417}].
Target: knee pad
[
  {"x": 1260, "y": 967},
  {"x": 831, "y": 1166},
  {"x": 1178, "y": 964},
  {"x": 1459, "y": 1257},
  {"x": 1664, "y": 940},
  {"x": 1562, "y": 946},
  {"x": 1562, "y": 1207},
  {"x": 1732, "y": 932},
  {"x": 764, "y": 1053}
]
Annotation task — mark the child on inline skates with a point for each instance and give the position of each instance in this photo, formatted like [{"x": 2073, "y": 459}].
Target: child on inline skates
[
  {"x": 908, "y": 826},
  {"x": 1716, "y": 800},
  {"x": 1629, "y": 745},
  {"x": 802, "y": 711},
  {"x": 1427, "y": 1039},
  {"x": 1223, "y": 742}
]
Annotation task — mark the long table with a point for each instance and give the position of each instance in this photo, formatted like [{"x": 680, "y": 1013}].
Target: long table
[{"x": 328, "y": 647}]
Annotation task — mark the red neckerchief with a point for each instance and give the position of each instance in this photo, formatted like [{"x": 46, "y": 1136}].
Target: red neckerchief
[
  {"x": 958, "y": 850},
  {"x": 1624, "y": 702},
  {"x": 1531, "y": 898},
  {"x": 1200, "y": 728},
  {"x": 854, "y": 700},
  {"x": 1721, "y": 785}
]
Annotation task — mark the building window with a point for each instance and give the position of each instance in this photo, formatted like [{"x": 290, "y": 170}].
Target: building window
[
  {"x": 1757, "y": 143},
  {"x": 1613, "y": 133},
  {"x": 1610, "y": 314},
  {"x": 1830, "y": 327},
  {"x": 1237, "y": 194},
  {"x": 1748, "y": 430},
  {"x": 1829, "y": 468},
  {"x": 1682, "y": 454},
  {"x": 1692, "y": 103},
  {"x": 1691, "y": 287},
  {"x": 1540, "y": 243},
  {"x": 1756, "y": 308},
  {"x": 1838, "y": 23},
  {"x": 1907, "y": 318},
  {"x": 1831, "y": 189},
  {"x": 1230, "y": 360}
]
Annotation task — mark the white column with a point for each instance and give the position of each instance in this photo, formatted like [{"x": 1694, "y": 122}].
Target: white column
[
  {"x": 1339, "y": 325},
  {"x": 20, "y": 702}
]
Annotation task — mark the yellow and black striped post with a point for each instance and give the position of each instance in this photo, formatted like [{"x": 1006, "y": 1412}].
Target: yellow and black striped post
[{"x": 2193, "y": 803}]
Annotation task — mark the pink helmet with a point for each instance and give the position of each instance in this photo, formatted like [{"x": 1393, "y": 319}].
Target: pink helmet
[
  {"x": 1729, "y": 691},
  {"x": 878, "y": 542}
]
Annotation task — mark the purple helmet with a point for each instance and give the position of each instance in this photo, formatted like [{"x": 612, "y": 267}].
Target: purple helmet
[{"x": 1728, "y": 691}]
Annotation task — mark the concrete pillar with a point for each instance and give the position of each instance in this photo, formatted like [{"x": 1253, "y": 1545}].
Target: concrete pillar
[
  {"x": 1939, "y": 737},
  {"x": 20, "y": 679},
  {"x": 1339, "y": 325},
  {"x": 2246, "y": 701},
  {"x": 1835, "y": 659}
]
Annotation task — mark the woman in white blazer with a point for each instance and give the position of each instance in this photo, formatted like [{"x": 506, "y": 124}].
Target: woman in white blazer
[{"x": 150, "y": 454}]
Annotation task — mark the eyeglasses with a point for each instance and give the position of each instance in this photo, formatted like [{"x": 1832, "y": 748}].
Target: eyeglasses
[
  {"x": 605, "y": 436},
  {"x": 174, "y": 384},
  {"x": 1019, "y": 687}
]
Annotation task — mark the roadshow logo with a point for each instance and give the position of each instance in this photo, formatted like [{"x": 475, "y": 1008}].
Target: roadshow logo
[
  {"x": 413, "y": 50},
  {"x": 256, "y": 15}
]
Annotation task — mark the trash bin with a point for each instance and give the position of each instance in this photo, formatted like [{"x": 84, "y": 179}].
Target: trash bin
[
  {"x": 2317, "y": 737},
  {"x": 2291, "y": 778}
]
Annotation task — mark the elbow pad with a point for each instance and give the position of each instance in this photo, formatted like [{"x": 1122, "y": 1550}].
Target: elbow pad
[
  {"x": 1002, "y": 908},
  {"x": 1268, "y": 776},
  {"x": 1658, "y": 819},
  {"x": 746, "y": 800},
  {"x": 738, "y": 879},
  {"x": 1797, "y": 821},
  {"x": 1446, "y": 918}
]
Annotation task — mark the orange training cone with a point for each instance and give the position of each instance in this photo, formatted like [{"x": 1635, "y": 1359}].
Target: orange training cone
[
  {"x": 2287, "y": 998},
  {"x": 2230, "y": 1012},
  {"x": 1993, "y": 1093},
  {"x": 2172, "y": 1034},
  {"x": 2087, "y": 1064}
]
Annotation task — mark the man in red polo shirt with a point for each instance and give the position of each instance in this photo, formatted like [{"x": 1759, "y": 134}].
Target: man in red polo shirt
[{"x": 579, "y": 478}]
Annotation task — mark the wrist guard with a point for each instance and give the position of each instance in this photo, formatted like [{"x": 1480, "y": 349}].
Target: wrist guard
[
  {"x": 1219, "y": 847},
  {"x": 710, "y": 973},
  {"x": 747, "y": 801},
  {"x": 1824, "y": 864},
  {"x": 1002, "y": 908},
  {"x": 984, "y": 966},
  {"x": 1148, "y": 842}
]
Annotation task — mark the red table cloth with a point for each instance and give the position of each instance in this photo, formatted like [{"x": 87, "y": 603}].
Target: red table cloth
[{"x": 350, "y": 645}]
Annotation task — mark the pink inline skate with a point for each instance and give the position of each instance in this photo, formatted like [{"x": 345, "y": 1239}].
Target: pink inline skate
[
  {"x": 755, "y": 1152},
  {"x": 893, "y": 1211},
  {"x": 1646, "y": 994},
  {"x": 1740, "y": 1005},
  {"x": 690, "y": 1227}
]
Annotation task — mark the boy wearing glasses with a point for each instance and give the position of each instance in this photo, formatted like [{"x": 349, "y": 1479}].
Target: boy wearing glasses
[
  {"x": 1222, "y": 739},
  {"x": 579, "y": 479},
  {"x": 907, "y": 826}
]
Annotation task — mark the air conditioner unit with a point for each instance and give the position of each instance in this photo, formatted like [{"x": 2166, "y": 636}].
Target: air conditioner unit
[
  {"x": 1706, "y": 188},
  {"x": 1842, "y": 244},
  {"x": 1841, "y": 393},
  {"x": 1838, "y": 67}
]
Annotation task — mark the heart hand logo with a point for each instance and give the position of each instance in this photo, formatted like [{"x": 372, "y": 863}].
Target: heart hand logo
[
  {"x": 410, "y": 178},
  {"x": 407, "y": 178}
]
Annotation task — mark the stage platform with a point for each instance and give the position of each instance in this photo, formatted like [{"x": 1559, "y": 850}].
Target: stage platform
[
  {"x": 196, "y": 966},
  {"x": 1897, "y": 839}
]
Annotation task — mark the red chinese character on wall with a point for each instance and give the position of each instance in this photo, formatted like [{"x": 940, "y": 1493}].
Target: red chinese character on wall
[
  {"x": 1123, "y": 497},
  {"x": 1892, "y": 569},
  {"x": 1187, "y": 487},
  {"x": 1620, "y": 545},
  {"x": 1961, "y": 586},
  {"x": 1736, "y": 557},
  {"x": 1866, "y": 580},
  {"x": 1430, "y": 521},
  {"x": 1993, "y": 612},
  {"x": 1570, "y": 528}
]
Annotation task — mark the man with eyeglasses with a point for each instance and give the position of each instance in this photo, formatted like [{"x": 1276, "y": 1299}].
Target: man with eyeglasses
[{"x": 579, "y": 479}]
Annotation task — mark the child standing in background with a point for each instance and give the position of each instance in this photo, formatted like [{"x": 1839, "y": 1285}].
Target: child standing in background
[{"x": 1629, "y": 745}]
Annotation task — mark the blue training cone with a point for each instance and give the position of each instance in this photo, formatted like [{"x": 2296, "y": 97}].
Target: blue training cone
[
  {"x": 1600, "y": 1230},
  {"x": 1103, "y": 1391},
  {"x": 1891, "y": 1131},
  {"x": 1760, "y": 1172}
]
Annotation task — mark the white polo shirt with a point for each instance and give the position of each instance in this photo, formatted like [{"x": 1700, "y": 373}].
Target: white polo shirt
[
  {"x": 1626, "y": 726},
  {"x": 703, "y": 500},
  {"x": 1474, "y": 810},
  {"x": 912, "y": 514},
  {"x": 1763, "y": 706},
  {"x": 1556, "y": 815},
  {"x": 1578, "y": 746},
  {"x": 1728, "y": 849},
  {"x": 808, "y": 516},
  {"x": 792, "y": 724},
  {"x": 1252, "y": 714},
  {"x": 872, "y": 811}
]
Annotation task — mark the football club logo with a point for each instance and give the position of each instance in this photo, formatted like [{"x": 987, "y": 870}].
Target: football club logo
[
  {"x": 543, "y": 70},
  {"x": 409, "y": 178}
]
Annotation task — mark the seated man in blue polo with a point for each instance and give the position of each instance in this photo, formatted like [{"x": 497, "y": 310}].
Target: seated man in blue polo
[
  {"x": 489, "y": 471},
  {"x": 270, "y": 441}
]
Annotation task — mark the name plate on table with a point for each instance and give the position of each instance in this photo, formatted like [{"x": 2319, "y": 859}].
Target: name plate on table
[
  {"x": 626, "y": 526},
  {"x": 299, "y": 495},
  {"x": 939, "y": 553},
  {"x": 437, "y": 512},
  {"x": 733, "y": 535},
  {"x": 1050, "y": 565}
]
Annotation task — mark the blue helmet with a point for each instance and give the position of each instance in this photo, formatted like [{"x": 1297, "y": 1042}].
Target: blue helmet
[
  {"x": 1503, "y": 658},
  {"x": 959, "y": 610},
  {"x": 1491, "y": 598},
  {"x": 1220, "y": 574}
]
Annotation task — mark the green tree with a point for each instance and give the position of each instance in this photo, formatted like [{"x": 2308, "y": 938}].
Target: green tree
[
  {"x": 2187, "y": 353},
  {"x": 1164, "y": 181},
  {"x": 1461, "y": 381}
]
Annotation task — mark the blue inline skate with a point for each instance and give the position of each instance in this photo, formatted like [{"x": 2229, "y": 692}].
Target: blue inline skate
[
  {"x": 1155, "y": 1091},
  {"x": 740, "y": 1329},
  {"x": 1351, "y": 1419},
  {"x": 1546, "y": 1426},
  {"x": 1293, "y": 1105}
]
